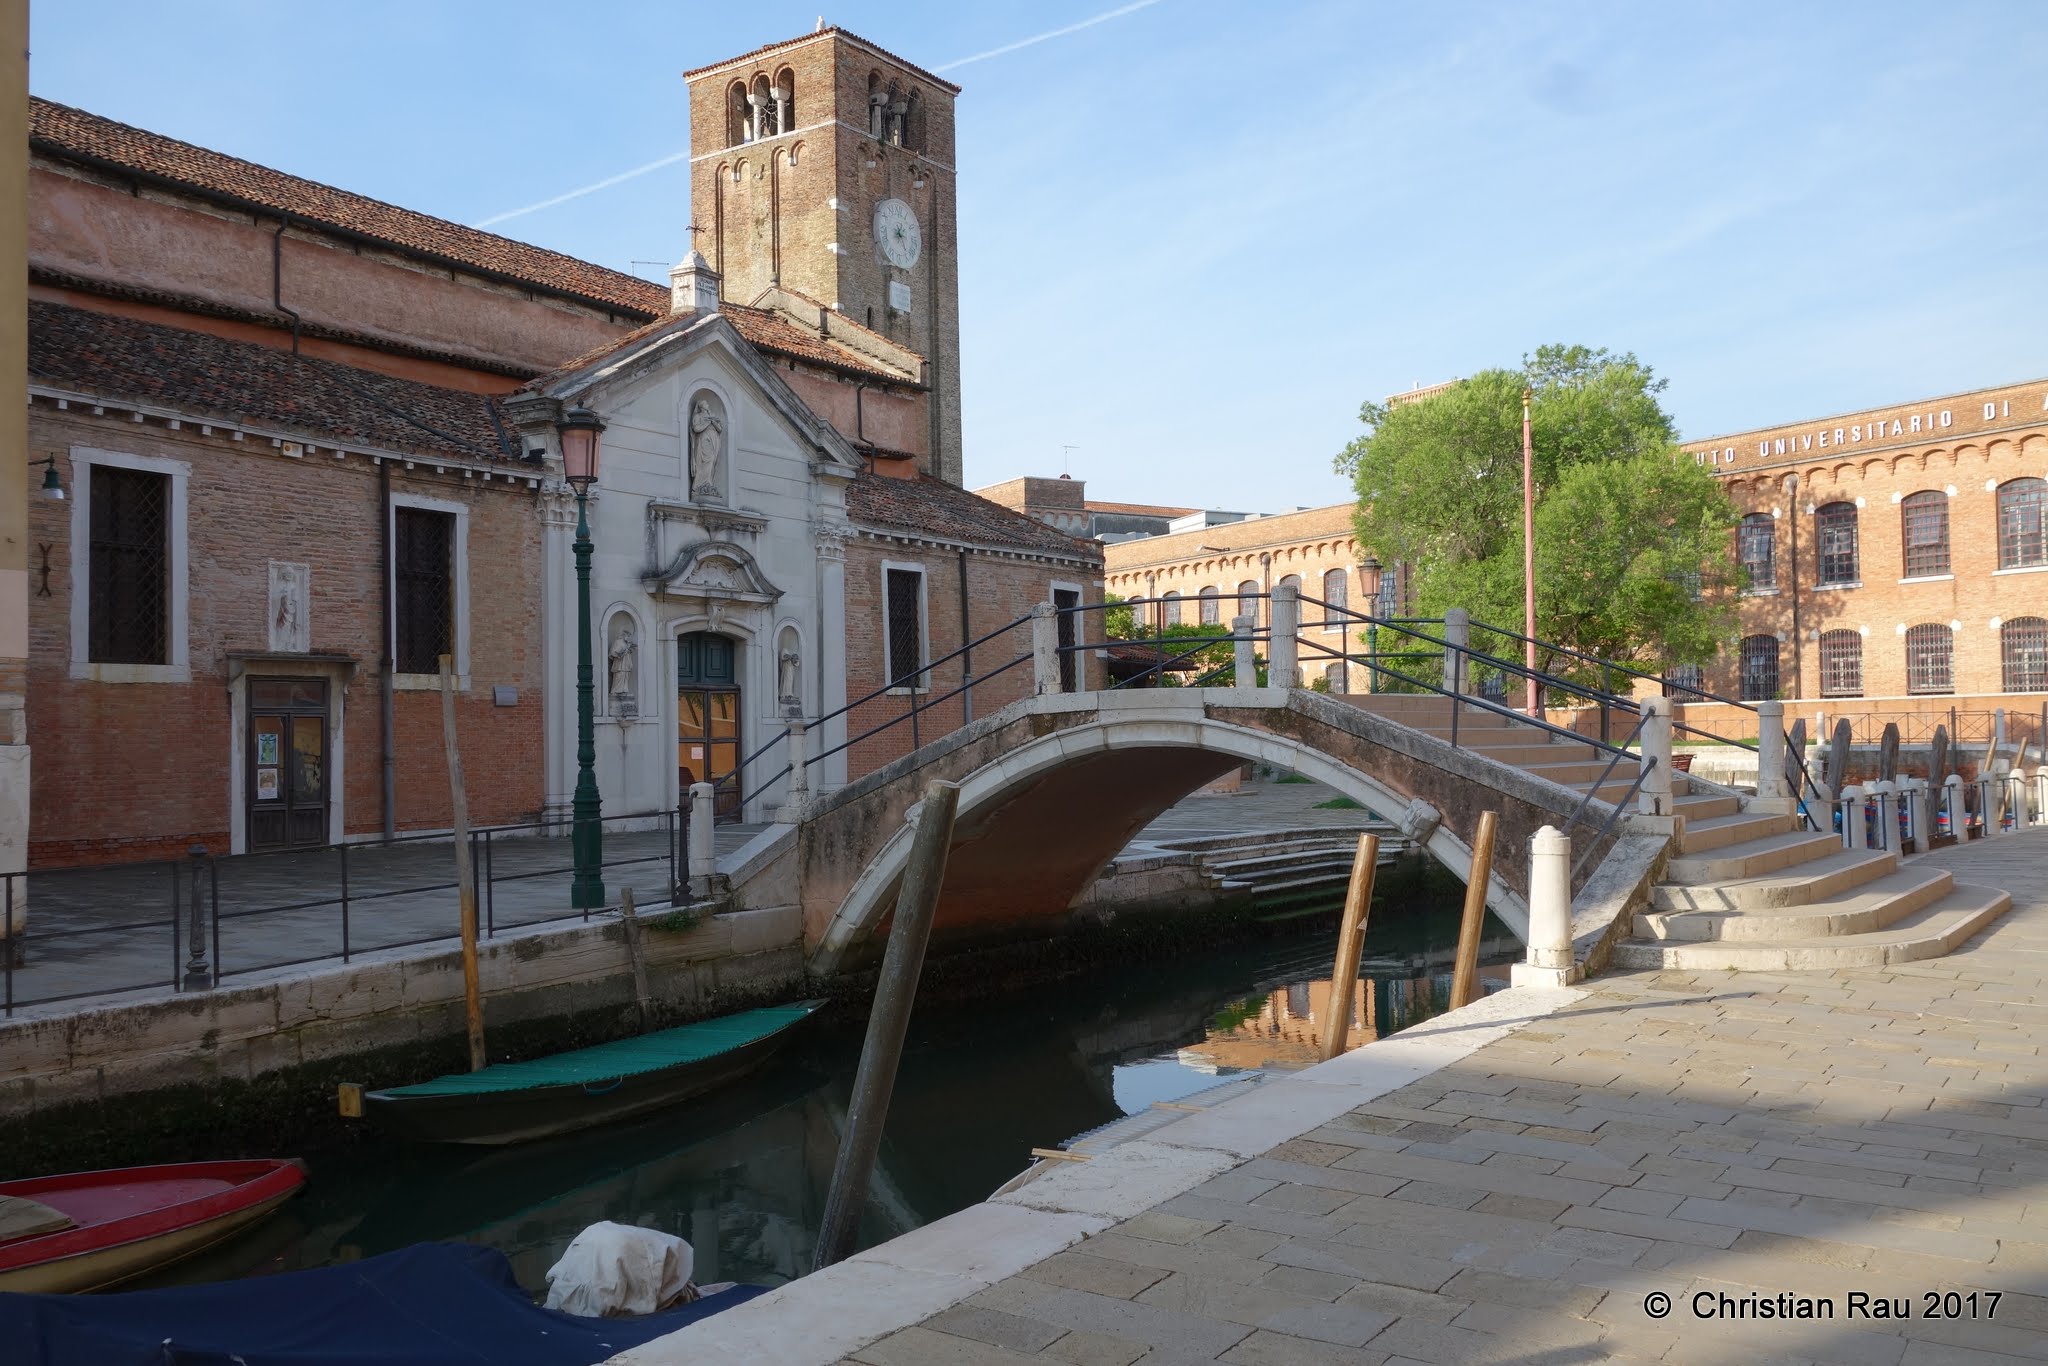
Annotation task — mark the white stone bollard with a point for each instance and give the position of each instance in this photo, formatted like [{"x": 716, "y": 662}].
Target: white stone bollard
[
  {"x": 1550, "y": 912},
  {"x": 1458, "y": 636},
  {"x": 1919, "y": 814},
  {"x": 1243, "y": 660},
  {"x": 1283, "y": 656},
  {"x": 1850, "y": 804},
  {"x": 795, "y": 745},
  {"x": 1887, "y": 794},
  {"x": 2041, "y": 793},
  {"x": 1045, "y": 649},
  {"x": 1952, "y": 807},
  {"x": 1987, "y": 804},
  {"x": 1653, "y": 798},
  {"x": 703, "y": 845},
  {"x": 1771, "y": 783}
]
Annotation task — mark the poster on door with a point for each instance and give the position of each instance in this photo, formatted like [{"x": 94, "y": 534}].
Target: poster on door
[
  {"x": 266, "y": 784},
  {"x": 266, "y": 750}
]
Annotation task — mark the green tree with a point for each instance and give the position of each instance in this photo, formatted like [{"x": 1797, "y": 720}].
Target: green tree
[{"x": 1631, "y": 535}]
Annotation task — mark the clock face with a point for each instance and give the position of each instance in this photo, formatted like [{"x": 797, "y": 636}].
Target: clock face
[{"x": 896, "y": 229}]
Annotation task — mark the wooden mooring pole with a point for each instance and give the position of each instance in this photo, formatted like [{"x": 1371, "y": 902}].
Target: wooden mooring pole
[
  {"x": 1465, "y": 977},
  {"x": 873, "y": 1084},
  {"x": 465, "y": 871},
  {"x": 1350, "y": 945}
]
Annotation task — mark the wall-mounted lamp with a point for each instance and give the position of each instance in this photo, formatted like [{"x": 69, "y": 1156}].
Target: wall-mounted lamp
[{"x": 53, "y": 486}]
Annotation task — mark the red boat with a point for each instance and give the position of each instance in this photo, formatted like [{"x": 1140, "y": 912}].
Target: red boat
[{"x": 89, "y": 1230}]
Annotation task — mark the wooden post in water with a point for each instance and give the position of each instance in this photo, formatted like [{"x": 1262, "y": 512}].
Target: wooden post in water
[
  {"x": 1465, "y": 977},
  {"x": 1350, "y": 944},
  {"x": 629, "y": 923},
  {"x": 873, "y": 1084},
  {"x": 465, "y": 871}
]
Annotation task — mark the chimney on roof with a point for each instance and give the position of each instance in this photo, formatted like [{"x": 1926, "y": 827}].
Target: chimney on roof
[{"x": 693, "y": 286}]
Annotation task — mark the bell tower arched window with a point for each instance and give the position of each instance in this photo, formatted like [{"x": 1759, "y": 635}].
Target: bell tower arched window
[
  {"x": 785, "y": 100},
  {"x": 738, "y": 125},
  {"x": 763, "y": 104}
]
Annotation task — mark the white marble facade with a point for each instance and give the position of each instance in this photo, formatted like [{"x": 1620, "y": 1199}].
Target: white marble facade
[{"x": 720, "y": 507}]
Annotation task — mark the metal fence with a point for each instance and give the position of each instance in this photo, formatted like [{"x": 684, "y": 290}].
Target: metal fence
[{"x": 191, "y": 923}]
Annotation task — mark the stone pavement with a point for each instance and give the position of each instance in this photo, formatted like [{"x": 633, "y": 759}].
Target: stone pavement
[{"x": 1717, "y": 1146}]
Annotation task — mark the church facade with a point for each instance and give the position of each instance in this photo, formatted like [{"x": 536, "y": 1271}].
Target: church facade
[{"x": 307, "y": 444}]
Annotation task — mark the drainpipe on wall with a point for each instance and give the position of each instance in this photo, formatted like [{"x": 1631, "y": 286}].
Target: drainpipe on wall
[
  {"x": 390, "y": 742},
  {"x": 966, "y": 655}
]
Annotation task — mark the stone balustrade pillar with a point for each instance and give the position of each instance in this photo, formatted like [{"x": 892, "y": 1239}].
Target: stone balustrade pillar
[
  {"x": 1919, "y": 813},
  {"x": 1653, "y": 798},
  {"x": 1952, "y": 807},
  {"x": 1458, "y": 635},
  {"x": 1244, "y": 662},
  {"x": 703, "y": 844},
  {"x": 1045, "y": 649},
  {"x": 1283, "y": 654},
  {"x": 796, "y": 745},
  {"x": 1850, "y": 804},
  {"x": 1772, "y": 784},
  {"x": 1550, "y": 912},
  {"x": 1887, "y": 794}
]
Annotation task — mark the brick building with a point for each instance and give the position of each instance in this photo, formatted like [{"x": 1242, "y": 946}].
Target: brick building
[
  {"x": 1064, "y": 505},
  {"x": 1897, "y": 559},
  {"x": 306, "y": 436}
]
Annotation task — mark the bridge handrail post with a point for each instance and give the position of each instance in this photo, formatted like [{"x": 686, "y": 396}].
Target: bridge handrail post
[
  {"x": 1550, "y": 912},
  {"x": 1919, "y": 826},
  {"x": 703, "y": 844},
  {"x": 1851, "y": 805},
  {"x": 1771, "y": 782},
  {"x": 1952, "y": 807},
  {"x": 1887, "y": 795},
  {"x": 1654, "y": 798},
  {"x": 1987, "y": 804},
  {"x": 1457, "y": 635},
  {"x": 2041, "y": 792},
  {"x": 1045, "y": 649},
  {"x": 1244, "y": 669},
  {"x": 797, "y": 747},
  {"x": 1283, "y": 665}
]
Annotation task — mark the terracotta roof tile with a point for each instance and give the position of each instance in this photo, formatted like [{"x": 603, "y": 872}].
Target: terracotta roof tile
[
  {"x": 934, "y": 507},
  {"x": 61, "y": 131},
  {"x": 124, "y": 359},
  {"x": 773, "y": 332}
]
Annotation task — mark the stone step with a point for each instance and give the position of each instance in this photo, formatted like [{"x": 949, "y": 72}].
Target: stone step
[
  {"x": 1707, "y": 805},
  {"x": 1719, "y": 832},
  {"x": 1303, "y": 884},
  {"x": 1872, "y": 906},
  {"x": 1927, "y": 933},
  {"x": 1252, "y": 870},
  {"x": 1814, "y": 881},
  {"x": 1753, "y": 858}
]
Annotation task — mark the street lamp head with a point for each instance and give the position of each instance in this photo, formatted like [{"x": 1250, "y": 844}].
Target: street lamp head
[
  {"x": 579, "y": 428},
  {"x": 1369, "y": 575},
  {"x": 53, "y": 487}
]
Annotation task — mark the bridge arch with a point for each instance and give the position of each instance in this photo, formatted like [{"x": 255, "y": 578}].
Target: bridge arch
[{"x": 988, "y": 788}]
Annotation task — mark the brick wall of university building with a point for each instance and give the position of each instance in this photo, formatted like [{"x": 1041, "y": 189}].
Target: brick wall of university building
[
  {"x": 129, "y": 770},
  {"x": 1001, "y": 589},
  {"x": 1965, "y": 449}
]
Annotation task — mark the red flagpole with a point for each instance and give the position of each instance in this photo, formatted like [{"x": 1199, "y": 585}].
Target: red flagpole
[{"x": 1535, "y": 694}]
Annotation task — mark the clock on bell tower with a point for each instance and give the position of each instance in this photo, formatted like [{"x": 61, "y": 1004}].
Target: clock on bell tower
[{"x": 824, "y": 166}]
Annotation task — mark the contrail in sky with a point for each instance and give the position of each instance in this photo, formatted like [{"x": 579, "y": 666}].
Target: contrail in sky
[
  {"x": 670, "y": 160},
  {"x": 1048, "y": 36}
]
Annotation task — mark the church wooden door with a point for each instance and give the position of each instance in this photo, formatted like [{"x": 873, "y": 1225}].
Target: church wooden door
[{"x": 708, "y": 720}]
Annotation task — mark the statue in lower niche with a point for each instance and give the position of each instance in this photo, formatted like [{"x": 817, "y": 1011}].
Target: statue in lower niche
[
  {"x": 622, "y": 662},
  {"x": 789, "y": 678}
]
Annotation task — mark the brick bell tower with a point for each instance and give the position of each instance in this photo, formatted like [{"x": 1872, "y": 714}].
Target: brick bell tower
[{"x": 824, "y": 165}]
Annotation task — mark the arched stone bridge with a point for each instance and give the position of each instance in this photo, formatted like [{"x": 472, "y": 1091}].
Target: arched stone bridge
[{"x": 1052, "y": 787}]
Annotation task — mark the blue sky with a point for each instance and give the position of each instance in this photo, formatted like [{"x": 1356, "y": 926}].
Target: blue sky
[{"x": 1194, "y": 236}]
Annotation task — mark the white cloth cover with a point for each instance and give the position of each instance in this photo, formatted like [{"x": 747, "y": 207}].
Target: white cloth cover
[{"x": 613, "y": 1270}]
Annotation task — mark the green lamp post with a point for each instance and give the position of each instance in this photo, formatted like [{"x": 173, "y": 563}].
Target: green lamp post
[
  {"x": 579, "y": 429},
  {"x": 1369, "y": 575}
]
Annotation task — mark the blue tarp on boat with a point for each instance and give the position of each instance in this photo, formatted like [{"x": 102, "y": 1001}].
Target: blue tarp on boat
[{"x": 438, "y": 1304}]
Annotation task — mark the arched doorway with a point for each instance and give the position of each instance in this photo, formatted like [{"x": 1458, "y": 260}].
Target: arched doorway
[{"x": 708, "y": 719}]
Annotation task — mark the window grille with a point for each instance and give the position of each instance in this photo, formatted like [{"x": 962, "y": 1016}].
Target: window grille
[
  {"x": 1930, "y": 659},
  {"x": 1925, "y": 519},
  {"x": 1169, "y": 610},
  {"x": 2023, "y": 644},
  {"x": 1248, "y": 602},
  {"x": 905, "y": 627},
  {"x": 1683, "y": 680},
  {"x": 129, "y": 570},
  {"x": 1757, "y": 544},
  {"x": 1759, "y": 668},
  {"x": 2022, "y": 523},
  {"x": 1065, "y": 601},
  {"x": 1336, "y": 589},
  {"x": 1211, "y": 607},
  {"x": 1837, "y": 527},
  {"x": 423, "y": 588},
  {"x": 1841, "y": 664}
]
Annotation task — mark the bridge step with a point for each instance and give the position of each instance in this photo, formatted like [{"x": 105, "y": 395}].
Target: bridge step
[
  {"x": 1873, "y": 907},
  {"x": 1752, "y": 858},
  {"x": 1926, "y": 933},
  {"x": 1719, "y": 832},
  {"x": 1812, "y": 882}
]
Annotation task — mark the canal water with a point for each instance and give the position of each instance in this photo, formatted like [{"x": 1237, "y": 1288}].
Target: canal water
[{"x": 743, "y": 1174}]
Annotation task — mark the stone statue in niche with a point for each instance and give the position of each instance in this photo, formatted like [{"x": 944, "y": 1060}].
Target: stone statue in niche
[
  {"x": 291, "y": 622},
  {"x": 707, "y": 447},
  {"x": 789, "y": 677},
  {"x": 623, "y": 659}
]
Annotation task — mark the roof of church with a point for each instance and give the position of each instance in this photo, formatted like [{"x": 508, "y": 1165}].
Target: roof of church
[
  {"x": 761, "y": 328},
  {"x": 107, "y": 356},
  {"x": 62, "y": 131},
  {"x": 933, "y": 507},
  {"x": 827, "y": 31}
]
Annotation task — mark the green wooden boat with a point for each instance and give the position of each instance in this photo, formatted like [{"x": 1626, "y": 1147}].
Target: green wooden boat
[{"x": 513, "y": 1102}]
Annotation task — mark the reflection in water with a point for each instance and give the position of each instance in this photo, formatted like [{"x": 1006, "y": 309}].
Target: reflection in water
[{"x": 743, "y": 1174}]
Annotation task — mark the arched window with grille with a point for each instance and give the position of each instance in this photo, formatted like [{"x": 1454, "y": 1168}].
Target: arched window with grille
[
  {"x": 2023, "y": 646},
  {"x": 1336, "y": 589},
  {"x": 1930, "y": 659},
  {"x": 1212, "y": 602},
  {"x": 1923, "y": 518},
  {"x": 1683, "y": 681},
  {"x": 785, "y": 100},
  {"x": 764, "y": 109},
  {"x": 1248, "y": 601},
  {"x": 1759, "y": 668},
  {"x": 1757, "y": 546},
  {"x": 2022, "y": 524},
  {"x": 1836, "y": 525},
  {"x": 1169, "y": 609},
  {"x": 1841, "y": 664}
]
